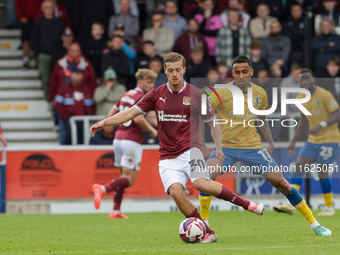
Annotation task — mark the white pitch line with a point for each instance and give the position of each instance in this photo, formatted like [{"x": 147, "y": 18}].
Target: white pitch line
[{"x": 177, "y": 250}]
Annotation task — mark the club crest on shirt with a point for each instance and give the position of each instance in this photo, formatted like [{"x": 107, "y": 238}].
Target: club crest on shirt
[
  {"x": 186, "y": 100},
  {"x": 256, "y": 101}
]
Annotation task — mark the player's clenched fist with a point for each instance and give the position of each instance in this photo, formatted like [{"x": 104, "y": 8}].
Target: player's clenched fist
[
  {"x": 220, "y": 155},
  {"x": 96, "y": 127}
]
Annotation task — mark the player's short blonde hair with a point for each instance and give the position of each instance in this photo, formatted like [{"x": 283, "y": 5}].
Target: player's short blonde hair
[
  {"x": 174, "y": 57},
  {"x": 144, "y": 74}
]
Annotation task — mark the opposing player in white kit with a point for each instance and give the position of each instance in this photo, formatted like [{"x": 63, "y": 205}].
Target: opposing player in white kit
[
  {"x": 127, "y": 144},
  {"x": 178, "y": 108}
]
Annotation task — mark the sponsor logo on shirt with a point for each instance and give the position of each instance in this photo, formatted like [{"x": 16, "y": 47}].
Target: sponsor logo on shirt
[{"x": 171, "y": 117}]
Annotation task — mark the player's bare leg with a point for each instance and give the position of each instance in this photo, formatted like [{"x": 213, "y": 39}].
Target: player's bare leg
[
  {"x": 176, "y": 191},
  {"x": 205, "y": 187},
  {"x": 276, "y": 178},
  {"x": 295, "y": 181}
]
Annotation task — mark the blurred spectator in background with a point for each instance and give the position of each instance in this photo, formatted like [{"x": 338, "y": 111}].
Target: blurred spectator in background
[
  {"x": 213, "y": 76},
  {"x": 225, "y": 75},
  {"x": 2, "y": 138},
  {"x": 87, "y": 12},
  {"x": 67, "y": 40},
  {"x": 59, "y": 12},
  {"x": 232, "y": 40},
  {"x": 277, "y": 7},
  {"x": 11, "y": 17},
  {"x": 259, "y": 63},
  {"x": 243, "y": 18},
  {"x": 292, "y": 81},
  {"x": 143, "y": 59},
  {"x": 162, "y": 37},
  {"x": 331, "y": 77},
  {"x": 294, "y": 28},
  {"x": 46, "y": 37},
  {"x": 133, "y": 7},
  {"x": 26, "y": 12},
  {"x": 306, "y": 5},
  {"x": 276, "y": 48},
  {"x": 156, "y": 65},
  {"x": 108, "y": 93},
  {"x": 151, "y": 6},
  {"x": 128, "y": 49},
  {"x": 126, "y": 20},
  {"x": 329, "y": 12},
  {"x": 260, "y": 25},
  {"x": 246, "y": 6},
  {"x": 64, "y": 67},
  {"x": 173, "y": 20},
  {"x": 325, "y": 45},
  {"x": 197, "y": 66},
  {"x": 190, "y": 39},
  {"x": 210, "y": 24},
  {"x": 117, "y": 59},
  {"x": 73, "y": 99},
  {"x": 103, "y": 137},
  {"x": 94, "y": 47}
]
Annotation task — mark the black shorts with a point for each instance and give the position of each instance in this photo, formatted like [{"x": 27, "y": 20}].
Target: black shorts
[{"x": 26, "y": 30}]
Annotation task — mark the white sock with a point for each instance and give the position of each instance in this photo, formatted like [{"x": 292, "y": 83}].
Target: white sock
[
  {"x": 103, "y": 188},
  {"x": 26, "y": 59},
  {"x": 207, "y": 222},
  {"x": 116, "y": 212},
  {"x": 329, "y": 208},
  {"x": 315, "y": 224}
]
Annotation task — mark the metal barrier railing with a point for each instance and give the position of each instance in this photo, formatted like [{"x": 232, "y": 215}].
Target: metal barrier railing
[{"x": 86, "y": 125}]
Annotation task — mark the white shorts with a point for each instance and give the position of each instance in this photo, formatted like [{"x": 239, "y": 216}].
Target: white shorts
[
  {"x": 181, "y": 168},
  {"x": 127, "y": 153}
]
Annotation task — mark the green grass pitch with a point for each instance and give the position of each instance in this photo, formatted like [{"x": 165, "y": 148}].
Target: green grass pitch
[{"x": 239, "y": 232}]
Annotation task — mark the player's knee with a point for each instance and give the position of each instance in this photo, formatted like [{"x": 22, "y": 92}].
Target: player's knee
[
  {"x": 202, "y": 185},
  {"x": 176, "y": 191},
  {"x": 283, "y": 186}
]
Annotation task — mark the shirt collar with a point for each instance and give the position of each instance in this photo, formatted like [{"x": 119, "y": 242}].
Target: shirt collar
[
  {"x": 139, "y": 89},
  {"x": 168, "y": 86},
  {"x": 242, "y": 91}
]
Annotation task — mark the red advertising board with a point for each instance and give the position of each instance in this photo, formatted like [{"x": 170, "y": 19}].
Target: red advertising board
[{"x": 70, "y": 174}]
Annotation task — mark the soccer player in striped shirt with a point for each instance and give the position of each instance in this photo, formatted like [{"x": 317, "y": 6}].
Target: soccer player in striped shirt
[
  {"x": 322, "y": 143},
  {"x": 242, "y": 142}
]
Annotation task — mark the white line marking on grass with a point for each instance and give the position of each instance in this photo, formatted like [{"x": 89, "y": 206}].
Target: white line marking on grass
[{"x": 177, "y": 250}]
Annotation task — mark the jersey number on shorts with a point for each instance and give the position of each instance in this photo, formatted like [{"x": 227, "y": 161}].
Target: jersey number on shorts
[
  {"x": 123, "y": 108},
  {"x": 196, "y": 163},
  {"x": 326, "y": 152},
  {"x": 266, "y": 156}
]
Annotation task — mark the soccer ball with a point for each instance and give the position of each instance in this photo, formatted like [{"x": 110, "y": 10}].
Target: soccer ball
[{"x": 192, "y": 230}]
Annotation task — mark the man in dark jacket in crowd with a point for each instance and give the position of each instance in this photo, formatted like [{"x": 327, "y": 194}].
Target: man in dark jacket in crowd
[
  {"x": 197, "y": 66},
  {"x": 143, "y": 59},
  {"x": 190, "y": 39},
  {"x": 46, "y": 37},
  {"x": 294, "y": 28},
  {"x": 117, "y": 59}
]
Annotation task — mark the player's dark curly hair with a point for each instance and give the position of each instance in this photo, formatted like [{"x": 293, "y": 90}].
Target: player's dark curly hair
[
  {"x": 306, "y": 70},
  {"x": 242, "y": 59}
]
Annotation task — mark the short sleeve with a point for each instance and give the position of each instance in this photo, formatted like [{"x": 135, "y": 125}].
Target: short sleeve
[
  {"x": 210, "y": 112},
  {"x": 146, "y": 103},
  {"x": 214, "y": 101},
  {"x": 116, "y": 105},
  {"x": 329, "y": 102}
]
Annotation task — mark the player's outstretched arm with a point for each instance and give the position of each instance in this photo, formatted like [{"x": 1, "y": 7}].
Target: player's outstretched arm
[
  {"x": 216, "y": 134},
  {"x": 115, "y": 120},
  {"x": 265, "y": 129},
  {"x": 112, "y": 112},
  {"x": 301, "y": 128},
  {"x": 143, "y": 124},
  {"x": 330, "y": 121}
]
